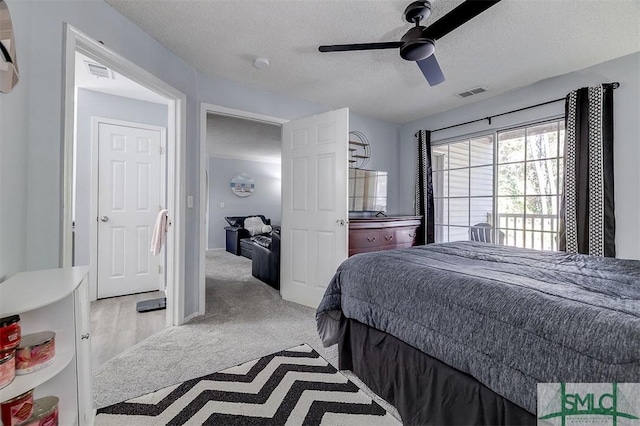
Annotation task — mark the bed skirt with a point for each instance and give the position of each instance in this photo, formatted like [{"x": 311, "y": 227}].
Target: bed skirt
[{"x": 424, "y": 390}]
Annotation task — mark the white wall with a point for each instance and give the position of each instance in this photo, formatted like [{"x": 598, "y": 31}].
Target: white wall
[
  {"x": 265, "y": 200},
  {"x": 96, "y": 104},
  {"x": 30, "y": 178},
  {"x": 14, "y": 130},
  {"x": 625, "y": 70}
]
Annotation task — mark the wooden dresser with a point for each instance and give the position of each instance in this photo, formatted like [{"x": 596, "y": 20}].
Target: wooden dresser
[{"x": 382, "y": 233}]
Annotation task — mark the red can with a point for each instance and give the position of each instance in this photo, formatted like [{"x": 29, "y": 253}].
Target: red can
[
  {"x": 17, "y": 410},
  {"x": 9, "y": 333}
]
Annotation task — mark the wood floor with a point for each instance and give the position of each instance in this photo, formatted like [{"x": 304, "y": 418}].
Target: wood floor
[{"x": 116, "y": 325}]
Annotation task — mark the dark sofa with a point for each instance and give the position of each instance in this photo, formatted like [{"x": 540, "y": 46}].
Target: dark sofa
[
  {"x": 237, "y": 238},
  {"x": 265, "y": 264},
  {"x": 263, "y": 249}
]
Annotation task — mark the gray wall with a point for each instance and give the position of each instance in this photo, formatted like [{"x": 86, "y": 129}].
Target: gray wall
[
  {"x": 31, "y": 119},
  {"x": 385, "y": 155},
  {"x": 95, "y": 104},
  {"x": 265, "y": 200},
  {"x": 625, "y": 70},
  {"x": 231, "y": 137}
]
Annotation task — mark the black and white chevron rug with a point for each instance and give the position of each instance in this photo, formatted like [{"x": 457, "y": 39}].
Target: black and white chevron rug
[{"x": 293, "y": 387}]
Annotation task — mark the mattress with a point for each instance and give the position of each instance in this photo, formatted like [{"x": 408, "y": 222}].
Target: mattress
[{"x": 509, "y": 317}]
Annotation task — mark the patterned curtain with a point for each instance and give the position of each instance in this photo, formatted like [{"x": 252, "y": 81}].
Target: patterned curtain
[
  {"x": 424, "y": 188},
  {"x": 587, "y": 221}
]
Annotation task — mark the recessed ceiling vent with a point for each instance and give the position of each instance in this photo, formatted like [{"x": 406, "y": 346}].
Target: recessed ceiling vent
[
  {"x": 98, "y": 70},
  {"x": 472, "y": 92}
]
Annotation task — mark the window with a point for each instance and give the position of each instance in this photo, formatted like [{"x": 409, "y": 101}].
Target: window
[{"x": 502, "y": 187}]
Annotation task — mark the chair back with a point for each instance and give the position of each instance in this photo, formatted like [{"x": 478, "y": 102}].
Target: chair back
[{"x": 481, "y": 232}]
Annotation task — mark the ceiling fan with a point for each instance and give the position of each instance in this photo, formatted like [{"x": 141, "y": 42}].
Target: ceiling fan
[{"x": 418, "y": 44}]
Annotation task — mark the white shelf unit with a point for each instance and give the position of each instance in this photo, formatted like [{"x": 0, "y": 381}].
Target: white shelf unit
[{"x": 54, "y": 300}]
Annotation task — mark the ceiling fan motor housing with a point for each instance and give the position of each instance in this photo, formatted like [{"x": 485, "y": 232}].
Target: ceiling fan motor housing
[
  {"x": 417, "y": 11},
  {"x": 416, "y": 46}
]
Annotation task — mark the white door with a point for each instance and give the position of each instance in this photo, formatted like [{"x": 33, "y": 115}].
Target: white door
[
  {"x": 314, "y": 204},
  {"x": 83, "y": 353},
  {"x": 129, "y": 199}
]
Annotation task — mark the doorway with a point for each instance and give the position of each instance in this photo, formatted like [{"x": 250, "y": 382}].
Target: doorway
[
  {"x": 223, "y": 161},
  {"x": 162, "y": 177}
]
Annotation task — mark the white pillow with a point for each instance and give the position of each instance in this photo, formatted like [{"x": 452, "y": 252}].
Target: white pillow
[
  {"x": 254, "y": 225},
  {"x": 266, "y": 228}
]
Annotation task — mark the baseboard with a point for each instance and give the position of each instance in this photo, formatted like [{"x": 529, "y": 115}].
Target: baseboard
[
  {"x": 192, "y": 316},
  {"x": 214, "y": 250}
]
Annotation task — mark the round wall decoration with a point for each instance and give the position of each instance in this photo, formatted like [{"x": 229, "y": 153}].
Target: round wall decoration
[
  {"x": 359, "y": 150},
  {"x": 242, "y": 185}
]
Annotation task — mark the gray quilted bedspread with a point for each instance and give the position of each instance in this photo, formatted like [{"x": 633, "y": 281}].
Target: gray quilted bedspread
[{"x": 509, "y": 317}]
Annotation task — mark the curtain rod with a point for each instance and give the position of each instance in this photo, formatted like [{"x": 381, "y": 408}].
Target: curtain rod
[{"x": 613, "y": 85}]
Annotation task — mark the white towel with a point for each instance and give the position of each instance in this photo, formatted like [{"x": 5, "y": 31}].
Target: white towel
[{"x": 160, "y": 232}]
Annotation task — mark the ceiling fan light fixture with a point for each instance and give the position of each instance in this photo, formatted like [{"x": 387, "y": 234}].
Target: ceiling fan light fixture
[
  {"x": 418, "y": 44},
  {"x": 417, "y": 50}
]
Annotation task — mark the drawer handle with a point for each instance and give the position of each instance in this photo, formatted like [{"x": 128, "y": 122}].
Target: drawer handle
[
  {"x": 412, "y": 235},
  {"x": 371, "y": 239},
  {"x": 388, "y": 237}
]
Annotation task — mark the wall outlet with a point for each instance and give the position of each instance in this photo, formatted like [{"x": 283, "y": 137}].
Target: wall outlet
[
  {"x": 222, "y": 205},
  {"x": 190, "y": 201}
]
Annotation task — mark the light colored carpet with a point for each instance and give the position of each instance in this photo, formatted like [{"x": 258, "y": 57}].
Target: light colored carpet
[{"x": 245, "y": 319}]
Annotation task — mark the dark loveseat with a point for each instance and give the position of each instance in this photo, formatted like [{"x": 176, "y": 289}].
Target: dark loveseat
[
  {"x": 265, "y": 263},
  {"x": 236, "y": 234}
]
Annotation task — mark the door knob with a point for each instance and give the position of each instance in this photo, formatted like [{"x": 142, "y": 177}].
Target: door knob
[
  {"x": 105, "y": 218},
  {"x": 340, "y": 222}
]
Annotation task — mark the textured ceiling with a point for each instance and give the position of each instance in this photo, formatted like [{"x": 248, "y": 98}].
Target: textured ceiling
[{"x": 513, "y": 44}]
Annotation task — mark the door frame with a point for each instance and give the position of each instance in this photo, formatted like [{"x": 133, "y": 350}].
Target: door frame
[
  {"x": 76, "y": 41},
  {"x": 206, "y": 108},
  {"x": 95, "y": 188}
]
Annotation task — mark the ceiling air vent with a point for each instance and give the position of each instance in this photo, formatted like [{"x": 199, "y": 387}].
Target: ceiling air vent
[
  {"x": 472, "y": 92},
  {"x": 98, "y": 70}
]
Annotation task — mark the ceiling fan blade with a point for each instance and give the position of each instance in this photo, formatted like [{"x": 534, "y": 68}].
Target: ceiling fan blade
[
  {"x": 458, "y": 16},
  {"x": 361, "y": 46},
  {"x": 431, "y": 70}
]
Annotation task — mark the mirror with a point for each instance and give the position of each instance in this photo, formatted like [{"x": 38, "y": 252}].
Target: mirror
[
  {"x": 367, "y": 190},
  {"x": 8, "y": 63}
]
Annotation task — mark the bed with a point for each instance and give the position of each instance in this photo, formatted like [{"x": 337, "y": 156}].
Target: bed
[{"x": 461, "y": 333}]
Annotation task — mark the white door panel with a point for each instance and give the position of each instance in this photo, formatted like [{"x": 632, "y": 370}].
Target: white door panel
[
  {"x": 314, "y": 201},
  {"x": 128, "y": 202}
]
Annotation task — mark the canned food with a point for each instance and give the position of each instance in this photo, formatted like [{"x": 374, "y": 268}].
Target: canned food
[
  {"x": 35, "y": 352},
  {"x": 9, "y": 333}
]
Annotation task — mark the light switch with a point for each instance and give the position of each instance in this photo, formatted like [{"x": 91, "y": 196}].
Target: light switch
[
  {"x": 190, "y": 201},
  {"x": 222, "y": 205}
]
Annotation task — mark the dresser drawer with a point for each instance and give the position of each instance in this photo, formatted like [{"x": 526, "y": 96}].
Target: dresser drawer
[
  {"x": 405, "y": 235},
  {"x": 362, "y": 239}
]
